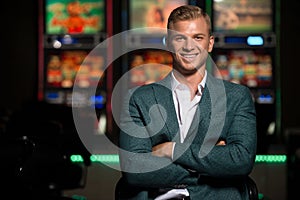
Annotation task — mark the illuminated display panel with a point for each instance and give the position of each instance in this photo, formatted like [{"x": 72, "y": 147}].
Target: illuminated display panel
[
  {"x": 149, "y": 66},
  {"x": 74, "y": 16},
  {"x": 62, "y": 68},
  {"x": 242, "y": 16},
  {"x": 151, "y": 13},
  {"x": 252, "y": 68}
]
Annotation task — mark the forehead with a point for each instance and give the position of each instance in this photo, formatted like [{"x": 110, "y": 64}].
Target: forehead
[{"x": 197, "y": 25}]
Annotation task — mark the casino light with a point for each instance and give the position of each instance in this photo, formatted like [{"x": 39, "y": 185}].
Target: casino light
[
  {"x": 255, "y": 40},
  {"x": 114, "y": 158},
  {"x": 270, "y": 159},
  {"x": 57, "y": 44},
  {"x": 76, "y": 158},
  {"x": 105, "y": 158},
  {"x": 78, "y": 197}
]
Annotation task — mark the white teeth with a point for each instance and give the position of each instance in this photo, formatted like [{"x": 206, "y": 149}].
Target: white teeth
[{"x": 189, "y": 56}]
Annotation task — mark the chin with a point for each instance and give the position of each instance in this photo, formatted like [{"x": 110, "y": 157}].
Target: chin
[
  {"x": 188, "y": 70},
  {"x": 190, "y": 66}
]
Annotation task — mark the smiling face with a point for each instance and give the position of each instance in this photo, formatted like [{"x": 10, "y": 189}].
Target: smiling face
[{"x": 189, "y": 41}]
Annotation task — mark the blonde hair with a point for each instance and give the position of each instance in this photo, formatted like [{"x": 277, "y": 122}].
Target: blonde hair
[{"x": 188, "y": 12}]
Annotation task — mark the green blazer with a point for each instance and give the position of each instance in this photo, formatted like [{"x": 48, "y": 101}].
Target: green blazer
[{"x": 226, "y": 112}]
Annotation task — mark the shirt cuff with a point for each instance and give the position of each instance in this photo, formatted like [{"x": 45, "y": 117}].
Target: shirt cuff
[{"x": 173, "y": 150}]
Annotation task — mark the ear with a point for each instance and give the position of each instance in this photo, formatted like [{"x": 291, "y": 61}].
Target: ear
[
  {"x": 166, "y": 41},
  {"x": 211, "y": 43}
]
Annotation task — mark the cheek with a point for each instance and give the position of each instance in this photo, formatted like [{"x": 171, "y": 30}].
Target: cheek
[
  {"x": 201, "y": 47},
  {"x": 175, "y": 45}
]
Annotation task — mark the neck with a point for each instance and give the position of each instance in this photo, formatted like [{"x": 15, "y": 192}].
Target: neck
[{"x": 191, "y": 80}]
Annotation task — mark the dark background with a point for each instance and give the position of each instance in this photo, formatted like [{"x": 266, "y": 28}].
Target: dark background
[{"x": 19, "y": 58}]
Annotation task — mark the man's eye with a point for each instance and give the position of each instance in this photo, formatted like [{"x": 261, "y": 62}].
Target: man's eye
[
  {"x": 198, "y": 38},
  {"x": 179, "y": 38}
]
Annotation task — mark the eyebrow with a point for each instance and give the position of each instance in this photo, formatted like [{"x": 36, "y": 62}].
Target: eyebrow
[{"x": 194, "y": 35}]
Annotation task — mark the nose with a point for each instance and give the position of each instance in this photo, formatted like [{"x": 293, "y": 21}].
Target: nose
[{"x": 189, "y": 44}]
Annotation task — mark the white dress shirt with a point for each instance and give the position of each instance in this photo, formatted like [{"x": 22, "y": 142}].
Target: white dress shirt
[
  {"x": 185, "y": 106},
  {"x": 185, "y": 109}
]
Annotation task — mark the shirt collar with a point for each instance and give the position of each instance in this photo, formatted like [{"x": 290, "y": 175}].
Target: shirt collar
[{"x": 175, "y": 83}]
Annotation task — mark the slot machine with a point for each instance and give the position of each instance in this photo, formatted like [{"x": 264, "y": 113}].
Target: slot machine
[
  {"x": 246, "y": 52},
  {"x": 71, "y": 72}
]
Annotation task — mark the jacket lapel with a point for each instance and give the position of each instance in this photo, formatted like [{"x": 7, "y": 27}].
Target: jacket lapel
[
  {"x": 205, "y": 109},
  {"x": 201, "y": 119},
  {"x": 164, "y": 98},
  {"x": 212, "y": 107}
]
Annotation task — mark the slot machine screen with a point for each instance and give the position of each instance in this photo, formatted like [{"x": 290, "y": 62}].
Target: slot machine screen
[
  {"x": 74, "y": 16},
  {"x": 147, "y": 66},
  {"x": 252, "y": 68},
  {"x": 242, "y": 16},
  {"x": 62, "y": 68},
  {"x": 151, "y": 13}
]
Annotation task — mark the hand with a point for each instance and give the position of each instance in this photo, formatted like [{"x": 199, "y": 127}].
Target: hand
[
  {"x": 163, "y": 150},
  {"x": 221, "y": 143}
]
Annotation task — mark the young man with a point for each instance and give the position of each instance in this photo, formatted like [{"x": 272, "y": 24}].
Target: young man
[{"x": 190, "y": 135}]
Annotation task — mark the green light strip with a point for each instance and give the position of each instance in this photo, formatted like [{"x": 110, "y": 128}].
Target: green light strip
[
  {"x": 270, "y": 159},
  {"x": 260, "y": 196},
  {"x": 114, "y": 158},
  {"x": 110, "y": 158},
  {"x": 77, "y": 197},
  {"x": 76, "y": 158},
  {"x": 208, "y": 7}
]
